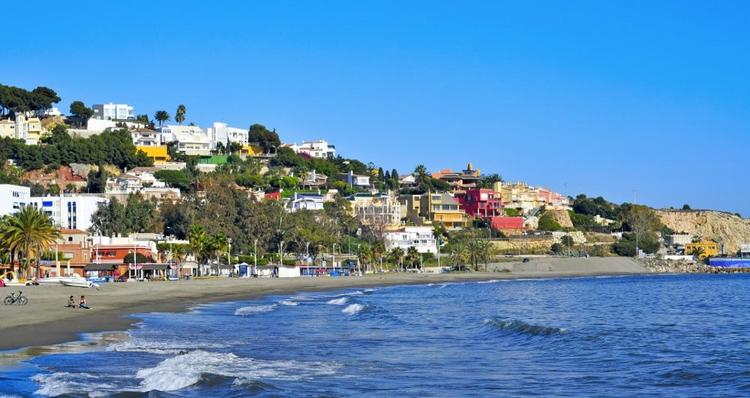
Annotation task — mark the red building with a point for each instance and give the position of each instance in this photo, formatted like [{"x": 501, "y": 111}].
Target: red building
[
  {"x": 512, "y": 225},
  {"x": 481, "y": 202}
]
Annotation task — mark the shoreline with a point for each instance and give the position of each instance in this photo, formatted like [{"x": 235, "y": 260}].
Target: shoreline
[{"x": 45, "y": 321}]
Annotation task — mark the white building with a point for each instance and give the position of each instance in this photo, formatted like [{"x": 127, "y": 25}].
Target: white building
[
  {"x": 71, "y": 211},
  {"x": 306, "y": 202},
  {"x": 222, "y": 133},
  {"x": 13, "y": 198},
  {"x": 316, "y": 149},
  {"x": 355, "y": 180},
  {"x": 191, "y": 140},
  {"x": 112, "y": 111},
  {"x": 420, "y": 238},
  {"x": 146, "y": 137},
  {"x": 376, "y": 209}
]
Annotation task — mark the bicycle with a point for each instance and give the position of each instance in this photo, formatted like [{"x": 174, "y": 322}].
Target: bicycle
[{"x": 18, "y": 299}]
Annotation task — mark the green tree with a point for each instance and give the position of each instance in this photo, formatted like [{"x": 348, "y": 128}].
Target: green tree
[
  {"x": 267, "y": 140},
  {"x": 81, "y": 112},
  {"x": 161, "y": 117},
  {"x": 176, "y": 178},
  {"x": 179, "y": 116},
  {"x": 96, "y": 181},
  {"x": 548, "y": 223}
]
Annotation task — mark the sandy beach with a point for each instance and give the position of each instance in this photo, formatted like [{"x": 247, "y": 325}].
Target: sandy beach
[{"x": 46, "y": 321}]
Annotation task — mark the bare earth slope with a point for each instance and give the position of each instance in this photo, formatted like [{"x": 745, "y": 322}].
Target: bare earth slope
[{"x": 725, "y": 228}]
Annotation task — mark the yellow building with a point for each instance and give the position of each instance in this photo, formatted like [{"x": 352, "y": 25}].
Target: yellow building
[
  {"x": 157, "y": 153},
  {"x": 443, "y": 208},
  {"x": 706, "y": 248},
  {"x": 251, "y": 150}
]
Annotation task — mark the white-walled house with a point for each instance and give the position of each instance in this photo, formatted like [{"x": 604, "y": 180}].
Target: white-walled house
[
  {"x": 222, "y": 133},
  {"x": 112, "y": 111},
  {"x": 316, "y": 149},
  {"x": 191, "y": 140},
  {"x": 420, "y": 238},
  {"x": 306, "y": 202}
]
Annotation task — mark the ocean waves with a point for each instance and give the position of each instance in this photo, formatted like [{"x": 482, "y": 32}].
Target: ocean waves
[
  {"x": 254, "y": 309},
  {"x": 201, "y": 366},
  {"x": 514, "y": 326}
]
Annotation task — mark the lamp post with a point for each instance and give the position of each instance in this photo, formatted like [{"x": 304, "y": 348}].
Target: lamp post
[
  {"x": 333, "y": 258},
  {"x": 255, "y": 255}
]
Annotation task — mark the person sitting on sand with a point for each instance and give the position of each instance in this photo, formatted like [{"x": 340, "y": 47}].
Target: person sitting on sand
[
  {"x": 82, "y": 303},
  {"x": 71, "y": 302}
]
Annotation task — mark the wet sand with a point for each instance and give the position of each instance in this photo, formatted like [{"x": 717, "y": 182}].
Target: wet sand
[{"x": 46, "y": 321}]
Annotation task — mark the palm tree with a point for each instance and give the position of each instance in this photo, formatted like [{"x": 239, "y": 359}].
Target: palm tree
[
  {"x": 161, "y": 117},
  {"x": 397, "y": 254},
  {"x": 458, "y": 255},
  {"x": 217, "y": 245},
  {"x": 378, "y": 250},
  {"x": 197, "y": 237},
  {"x": 29, "y": 233},
  {"x": 412, "y": 256},
  {"x": 478, "y": 251},
  {"x": 179, "y": 116}
]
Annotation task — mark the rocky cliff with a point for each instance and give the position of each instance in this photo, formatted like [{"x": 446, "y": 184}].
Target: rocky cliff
[{"x": 727, "y": 229}]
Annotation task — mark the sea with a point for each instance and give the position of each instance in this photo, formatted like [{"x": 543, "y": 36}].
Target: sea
[{"x": 639, "y": 336}]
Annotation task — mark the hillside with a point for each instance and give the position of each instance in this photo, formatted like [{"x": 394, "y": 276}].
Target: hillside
[{"x": 725, "y": 228}]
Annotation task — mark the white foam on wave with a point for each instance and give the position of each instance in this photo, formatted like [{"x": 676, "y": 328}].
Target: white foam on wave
[
  {"x": 159, "y": 347},
  {"x": 186, "y": 370},
  {"x": 288, "y": 303},
  {"x": 338, "y": 301},
  {"x": 353, "y": 309},
  {"x": 370, "y": 290},
  {"x": 254, "y": 309},
  {"x": 64, "y": 383}
]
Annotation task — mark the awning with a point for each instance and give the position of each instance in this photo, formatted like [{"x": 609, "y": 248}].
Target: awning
[
  {"x": 149, "y": 267},
  {"x": 100, "y": 267}
]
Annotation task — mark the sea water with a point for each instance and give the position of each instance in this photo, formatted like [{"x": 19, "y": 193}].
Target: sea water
[{"x": 611, "y": 336}]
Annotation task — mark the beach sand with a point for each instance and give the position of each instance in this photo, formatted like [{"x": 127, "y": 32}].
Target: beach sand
[{"x": 46, "y": 321}]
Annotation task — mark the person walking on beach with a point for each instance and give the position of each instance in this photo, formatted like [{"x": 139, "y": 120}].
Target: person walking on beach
[
  {"x": 82, "y": 303},
  {"x": 71, "y": 302}
]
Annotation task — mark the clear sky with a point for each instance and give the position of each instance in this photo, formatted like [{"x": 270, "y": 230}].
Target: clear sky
[{"x": 600, "y": 97}]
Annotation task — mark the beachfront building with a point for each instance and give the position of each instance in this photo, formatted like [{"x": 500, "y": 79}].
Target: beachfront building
[
  {"x": 376, "y": 209},
  {"x": 443, "y": 208},
  {"x": 459, "y": 181},
  {"x": 222, "y": 133},
  {"x": 420, "y": 238},
  {"x": 306, "y": 201},
  {"x": 71, "y": 211},
  {"x": 678, "y": 240},
  {"x": 703, "y": 248},
  {"x": 13, "y": 198},
  {"x": 112, "y": 111}
]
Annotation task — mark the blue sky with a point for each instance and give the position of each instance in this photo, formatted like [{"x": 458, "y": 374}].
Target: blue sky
[{"x": 605, "y": 98}]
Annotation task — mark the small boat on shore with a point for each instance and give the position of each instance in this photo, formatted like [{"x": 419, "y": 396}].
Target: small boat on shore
[{"x": 78, "y": 282}]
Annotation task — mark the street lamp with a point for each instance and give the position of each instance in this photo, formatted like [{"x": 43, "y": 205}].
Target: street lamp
[{"x": 255, "y": 255}]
